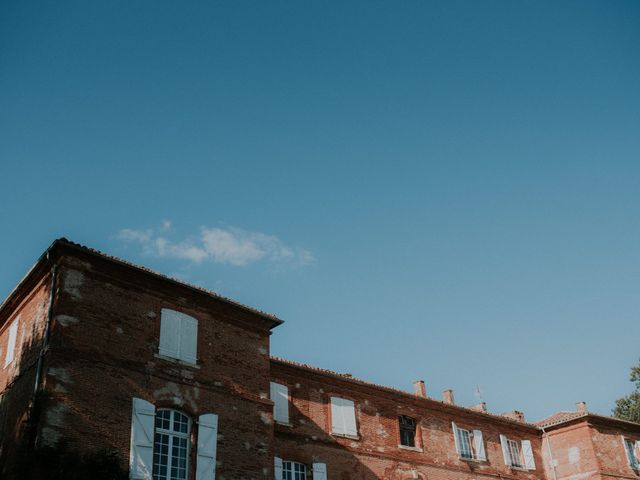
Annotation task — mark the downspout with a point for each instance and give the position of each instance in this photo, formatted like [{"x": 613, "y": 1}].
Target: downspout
[
  {"x": 553, "y": 462},
  {"x": 43, "y": 350}
]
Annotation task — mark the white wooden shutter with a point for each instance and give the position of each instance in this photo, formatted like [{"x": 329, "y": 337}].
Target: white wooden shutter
[
  {"x": 280, "y": 397},
  {"x": 11, "y": 342},
  {"x": 505, "y": 450},
  {"x": 349, "y": 417},
  {"x": 527, "y": 455},
  {"x": 455, "y": 436},
  {"x": 277, "y": 468},
  {"x": 188, "y": 338},
  {"x": 319, "y": 471},
  {"x": 207, "y": 445},
  {"x": 478, "y": 445},
  {"x": 141, "y": 453},
  {"x": 636, "y": 452},
  {"x": 169, "y": 333},
  {"x": 337, "y": 421}
]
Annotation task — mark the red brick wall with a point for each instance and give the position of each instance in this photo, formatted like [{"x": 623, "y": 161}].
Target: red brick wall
[
  {"x": 104, "y": 345},
  {"x": 376, "y": 453}
]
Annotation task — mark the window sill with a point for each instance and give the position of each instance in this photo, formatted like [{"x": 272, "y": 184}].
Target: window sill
[
  {"x": 343, "y": 435},
  {"x": 284, "y": 424},
  {"x": 521, "y": 469},
  {"x": 412, "y": 449},
  {"x": 475, "y": 460},
  {"x": 177, "y": 361}
]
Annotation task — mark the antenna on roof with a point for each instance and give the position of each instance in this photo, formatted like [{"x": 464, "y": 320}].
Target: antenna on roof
[{"x": 479, "y": 394}]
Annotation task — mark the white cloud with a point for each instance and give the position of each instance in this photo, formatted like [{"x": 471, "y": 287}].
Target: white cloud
[{"x": 231, "y": 246}]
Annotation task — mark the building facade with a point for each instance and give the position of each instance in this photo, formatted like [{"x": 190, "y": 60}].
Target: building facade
[{"x": 99, "y": 354}]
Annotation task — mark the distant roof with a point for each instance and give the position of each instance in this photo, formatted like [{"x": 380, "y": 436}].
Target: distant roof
[
  {"x": 92, "y": 251},
  {"x": 559, "y": 418}
]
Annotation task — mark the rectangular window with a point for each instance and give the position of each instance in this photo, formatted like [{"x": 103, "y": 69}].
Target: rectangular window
[
  {"x": 514, "y": 454},
  {"x": 343, "y": 417},
  {"x": 11, "y": 342},
  {"x": 178, "y": 336},
  {"x": 469, "y": 443},
  {"x": 280, "y": 398},
  {"x": 464, "y": 441},
  {"x": 633, "y": 453},
  {"x": 294, "y": 471},
  {"x": 407, "y": 431}
]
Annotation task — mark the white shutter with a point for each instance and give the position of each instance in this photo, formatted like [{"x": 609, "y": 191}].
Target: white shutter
[
  {"x": 636, "y": 452},
  {"x": 505, "y": 450},
  {"x": 188, "y": 338},
  {"x": 527, "y": 455},
  {"x": 280, "y": 397},
  {"x": 319, "y": 471},
  {"x": 277, "y": 468},
  {"x": 478, "y": 445},
  {"x": 349, "y": 417},
  {"x": 337, "y": 421},
  {"x": 141, "y": 452},
  {"x": 11, "y": 342},
  {"x": 169, "y": 333},
  {"x": 207, "y": 445},
  {"x": 455, "y": 437}
]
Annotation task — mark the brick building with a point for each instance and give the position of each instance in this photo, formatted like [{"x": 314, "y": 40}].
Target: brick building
[{"x": 97, "y": 353}]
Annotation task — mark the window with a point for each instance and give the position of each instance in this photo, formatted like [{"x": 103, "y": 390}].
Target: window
[
  {"x": 407, "y": 431},
  {"x": 294, "y": 471},
  {"x": 517, "y": 454},
  {"x": 178, "y": 336},
  {"x": 280, "y": 397},
  {"x": 469, "y": 443},
  {"x": 633, "y": 453},
  {"x": 171, "y": 445},
  {"x": 11, "y": 342},
  {"x": 343, "y": 417}
]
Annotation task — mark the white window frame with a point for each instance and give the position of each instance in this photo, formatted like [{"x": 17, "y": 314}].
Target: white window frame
[
  {"x": 294, "y": 470},
  {"x": 632, "y": 449},
  {"x": 178, "y": 325},
  {"x": 173, "y": 435},
  {"x": 515, "y": 454},
  {"x": 12, "y": 341},
  {"x": 469, "y": 444}
]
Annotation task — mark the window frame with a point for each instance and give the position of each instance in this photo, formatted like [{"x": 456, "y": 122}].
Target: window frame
[
  {"x": 465, "y": 435},
  {"x": 630, "y": 449},
  {"x": 288, "y": 467},
  {"x": 402, "y": 428},
  {"x": 515, "y": 462},
  {"x": 172, "y": 434}
]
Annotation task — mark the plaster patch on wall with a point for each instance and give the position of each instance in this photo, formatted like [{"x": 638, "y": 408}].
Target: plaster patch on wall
[
  {"x": 266, "y": 418},
  {"x": 66, "y": 320},
  {"x": 119, "y": 330},
  {"x": 55, "y": 415},
  {"x": 49, "y": 437},
  {"x": 61, "y": 374},
  {"x": 73, "y": 280},
  {"x": 574, "y": 455},
  {"x": 173, "y": 393},
  {"x": 151, "y": 314},
  {"x": 262, "y": 350}
]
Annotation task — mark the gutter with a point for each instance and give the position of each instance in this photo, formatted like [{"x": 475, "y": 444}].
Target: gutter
[{"x": 553, "y": 462}]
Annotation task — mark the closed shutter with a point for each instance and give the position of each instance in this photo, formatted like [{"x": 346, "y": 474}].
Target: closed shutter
[
  {"x": 505, "y": 450},
  {"x": 478, "y": 445},
  {"x": 11, "y": 342},
  {"x": 169, "y": 333},
  {"x": 280, "y": 397},
  {"x": 188, "y": 338},
  {"x": 527, "y": 455},
  {"x": 455, "y": 437},
  {"x": 141, "y": 452},
  {"x": 337, "y": 421},
  {"x": 207, "y": 445},
  {"x": 277, "y": 468},
  {"x": 349, "y": 417},
  {"x": 319, "y": 471}
]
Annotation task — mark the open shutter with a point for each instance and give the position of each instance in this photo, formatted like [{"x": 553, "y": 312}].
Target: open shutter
[
  {"x": 319, "y": 471},
  {"x": 280, "y": 397},
  {"x": 527, "y": 455},
  {"x": 188, "y": 338},
  {"x": 337, "y": 422},
  {"x": 277, "y": 468},
  {"x": 478, "y": 445},
  {"x": 169, "y": 333},
  {"x": 141, "y": 452},
  {"x": 505, "y": 450},
  {"x": 455, "y": 437},
  {"x": 207, "y": 445},
  {"x": 636, "y": 452},
  {"x": 11, "y": 343},
  {"x": 349, "y": 417}
]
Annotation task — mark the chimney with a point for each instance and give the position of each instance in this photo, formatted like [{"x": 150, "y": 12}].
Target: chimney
[
  {"x": 581, "y": 407},
  {"x": 419, "y": 388},
  {"x": 514, "y": 415},
  {"x": 481, "y": 407},
  {"x": 447, "y": 397}
]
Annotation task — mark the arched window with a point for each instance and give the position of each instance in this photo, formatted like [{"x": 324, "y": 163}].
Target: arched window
[
  {"x": 171, "y": 446},
  {"x": 294, "y": 471}
]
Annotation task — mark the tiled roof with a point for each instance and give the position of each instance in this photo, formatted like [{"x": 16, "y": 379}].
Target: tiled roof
[
  {"x": 350, "y": 378},
  {"x": 211, "y": 293},
  {"x": 559, "y": 417}
]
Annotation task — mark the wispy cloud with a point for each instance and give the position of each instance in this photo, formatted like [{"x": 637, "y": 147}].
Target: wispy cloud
[{"x": 231, "y": 246}]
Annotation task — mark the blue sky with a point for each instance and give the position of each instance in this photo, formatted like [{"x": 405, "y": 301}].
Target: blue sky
[{"x": 438, "y": 190}]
